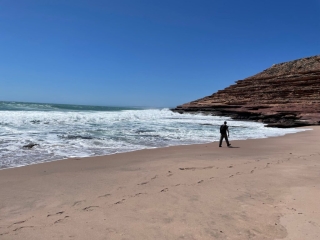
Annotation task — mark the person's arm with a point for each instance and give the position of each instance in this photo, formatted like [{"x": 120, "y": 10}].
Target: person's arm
[{"x": 228, "y": 131}]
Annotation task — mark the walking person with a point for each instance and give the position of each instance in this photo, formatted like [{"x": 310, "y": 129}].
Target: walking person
[{"x": 223, "y": 131}]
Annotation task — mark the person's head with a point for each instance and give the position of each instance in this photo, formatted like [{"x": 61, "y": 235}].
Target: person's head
[{"x": 225, "y": 122}]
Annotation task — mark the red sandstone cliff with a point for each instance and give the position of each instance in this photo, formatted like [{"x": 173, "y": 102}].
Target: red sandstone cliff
[{"x": 284, "y": 95}]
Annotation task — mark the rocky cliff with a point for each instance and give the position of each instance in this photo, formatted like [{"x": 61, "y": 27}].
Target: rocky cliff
[{"x": 284, "y": 95}]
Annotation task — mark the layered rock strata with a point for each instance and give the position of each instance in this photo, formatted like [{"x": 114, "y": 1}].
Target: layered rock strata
[{"x": 284, "y": 95}]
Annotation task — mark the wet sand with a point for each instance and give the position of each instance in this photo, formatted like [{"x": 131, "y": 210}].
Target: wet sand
[{"x": 258, "y": 189}]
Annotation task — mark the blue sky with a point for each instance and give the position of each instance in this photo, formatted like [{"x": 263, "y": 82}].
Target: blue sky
[{"x": 145, "y": 52}]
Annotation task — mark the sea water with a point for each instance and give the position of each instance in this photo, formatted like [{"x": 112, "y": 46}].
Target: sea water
[{"x": 63, "y": 131}]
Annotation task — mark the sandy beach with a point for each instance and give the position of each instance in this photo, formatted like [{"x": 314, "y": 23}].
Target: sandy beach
[{"x": 258, "y": 189}]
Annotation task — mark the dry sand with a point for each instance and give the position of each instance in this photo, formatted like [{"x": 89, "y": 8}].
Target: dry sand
[{"x": 259, "y": 189}]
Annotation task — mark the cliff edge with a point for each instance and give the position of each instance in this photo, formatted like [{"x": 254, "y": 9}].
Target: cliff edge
[{"x": 284, "y": 95}]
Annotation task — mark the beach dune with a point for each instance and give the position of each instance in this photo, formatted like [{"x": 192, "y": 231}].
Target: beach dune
[{"x": 258, "y": 189}]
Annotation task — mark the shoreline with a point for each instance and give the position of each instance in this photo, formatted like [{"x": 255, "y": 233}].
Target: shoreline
[
  {"x": 307, "y": 128},
  {"x": 259, "y": 189}
]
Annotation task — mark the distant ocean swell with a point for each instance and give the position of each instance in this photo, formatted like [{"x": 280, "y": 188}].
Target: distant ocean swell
[{"x": 63, "y": 131}]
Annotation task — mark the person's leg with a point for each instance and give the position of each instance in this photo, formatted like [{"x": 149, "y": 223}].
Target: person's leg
[
  {"x": 227, "y": 140},
  {"x": 221, "y": 138}
]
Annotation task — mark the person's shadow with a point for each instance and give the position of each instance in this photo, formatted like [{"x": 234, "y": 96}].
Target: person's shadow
[{"x": 233, "y": 147}]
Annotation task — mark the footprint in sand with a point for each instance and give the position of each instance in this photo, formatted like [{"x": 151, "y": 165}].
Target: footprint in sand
[
  {"x": 143, "y": 183},
  {"x": 194, "y": 168},
  {"x": 164, "y": 190},
  {"x": 106, "y": 195},
  {"x": 76, "y": 203},
  {"x": 209, "y": 167},
  {"x": 90, "y": 208},
  {"x": 58, "y": 213},
  {"x": 137, "y": 194},
  {"x": 20, "y": 222},
  {"x": 148, "y": 182},
  {"x": 19, "y": 228},
  {"x": 169, "y": 174},
  {"x": 190, "y": 168},
  {"x": 60, "y": 220},
  {"x": 119, "y": 202}
]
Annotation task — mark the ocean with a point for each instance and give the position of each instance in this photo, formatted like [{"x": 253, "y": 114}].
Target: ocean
[{"x": 64, "y": 131}]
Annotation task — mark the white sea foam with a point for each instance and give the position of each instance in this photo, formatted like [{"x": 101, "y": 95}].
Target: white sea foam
[{"x": 63, "y": 134}]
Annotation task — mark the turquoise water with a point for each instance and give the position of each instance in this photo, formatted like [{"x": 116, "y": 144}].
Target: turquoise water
[
  {"x": 22, "y": 106},
  {"x": 62, "y": 131}
]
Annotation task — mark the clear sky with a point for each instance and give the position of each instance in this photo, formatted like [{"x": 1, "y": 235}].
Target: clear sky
[{"x": 159, "y": 53}]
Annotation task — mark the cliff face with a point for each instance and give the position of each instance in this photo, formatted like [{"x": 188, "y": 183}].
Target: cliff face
[{"x": 284, "y": 95}]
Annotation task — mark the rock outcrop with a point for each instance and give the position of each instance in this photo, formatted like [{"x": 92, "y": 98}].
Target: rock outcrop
[
  {"x": 30, "y": 145},
  {"x": 284, "y": 95}
]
